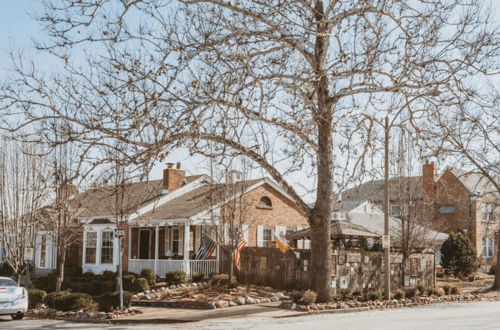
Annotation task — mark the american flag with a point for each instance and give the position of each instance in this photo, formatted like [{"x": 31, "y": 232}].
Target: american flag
[
  {"x": 206, "y": 248},
  {"x": 237, "y": 253}
]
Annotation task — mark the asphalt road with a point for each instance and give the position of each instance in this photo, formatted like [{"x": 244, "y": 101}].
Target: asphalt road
[{"x": 480, "y": 315}]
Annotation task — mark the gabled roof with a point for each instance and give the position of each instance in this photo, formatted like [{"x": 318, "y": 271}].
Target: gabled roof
[
  {"x": 476, "y": 183},
  {"x": 198, "y": 200},
  {"x": 404, "y": 188},
  {"x": 347, "y": 205}
]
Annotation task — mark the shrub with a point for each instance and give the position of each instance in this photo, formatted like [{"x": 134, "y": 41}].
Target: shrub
[
  {"x": 430, "y": 291},
  {"x": 411, "y": 292},
  {"x": 492, "y": 269},
  {"x": 89, "y": 276},
  {"x": 439, "y": 292},
  {"x": 446, "y": 289},
  {"x": 374, "y": 295},
  {"x": 198, "y": 277},
  {"x": 141, "y": 284},
  {"x": 108, "y": 275},
  {"x": 356, "y": 292},
  {"x": 45, "y": 283},
  {"x": 5, "y": 270},
  {"x": 74, "y": 302},
  {"x": 400, "y": 294},
  {"x": 111, "y": 300},
  {"x": 421, "y": 289},
  {"x": 458, "y": 256},
  {"x": 50, "y": 298},
  {"x": 72, "y": 271},
  {"x": 219, "y": 279},
  {"x": 296, "y": 295},
  {"x": 309, "y": 297},
  {"x": 150, "y": 275},
  {"x": 454, "y": 289},
  {"x": 128, "y": 282},
  {"x": 35, "y": 297}
]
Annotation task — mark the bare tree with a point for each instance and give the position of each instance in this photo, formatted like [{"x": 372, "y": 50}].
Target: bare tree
[
  {"x": 280, "y": 82},
  {"x": 23, "y": 191}
]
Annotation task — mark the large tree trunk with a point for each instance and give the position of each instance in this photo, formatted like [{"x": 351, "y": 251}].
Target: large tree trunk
[
  {"x": 496, "y": 283},
  {"x": 60, "y": 266},
  {"x": 321, "y": 217}
]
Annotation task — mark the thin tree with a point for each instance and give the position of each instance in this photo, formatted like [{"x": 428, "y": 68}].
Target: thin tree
[
  {"x": 23, "y": 191},
  {"x": 283, "y": 73}
]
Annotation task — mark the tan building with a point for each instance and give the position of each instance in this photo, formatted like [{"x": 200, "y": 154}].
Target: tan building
[{"x": 167, "y": 221}]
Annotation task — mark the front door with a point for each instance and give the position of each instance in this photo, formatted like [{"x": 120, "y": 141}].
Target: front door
[{"x": 144, "y": 243}]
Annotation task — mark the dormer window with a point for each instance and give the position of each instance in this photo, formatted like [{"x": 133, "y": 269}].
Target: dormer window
[{"x": 265, "y": 202}]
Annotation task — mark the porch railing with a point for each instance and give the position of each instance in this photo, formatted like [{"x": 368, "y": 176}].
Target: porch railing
[{"x": 161, "y": 267}]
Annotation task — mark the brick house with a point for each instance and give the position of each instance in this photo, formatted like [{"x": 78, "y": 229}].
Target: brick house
[
  {"x": 164, "y": 221},
  {"x": 466, "y": 202}
]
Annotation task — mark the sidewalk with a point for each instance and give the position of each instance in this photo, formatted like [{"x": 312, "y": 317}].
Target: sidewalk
[{"x": 153, "y": 315}]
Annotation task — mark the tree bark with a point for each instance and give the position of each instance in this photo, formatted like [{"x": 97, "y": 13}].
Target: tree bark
[
  {"x": 321, "y": 216},
  {"x": 496, "y": 283},
  {"x": 60, "y": 266}
]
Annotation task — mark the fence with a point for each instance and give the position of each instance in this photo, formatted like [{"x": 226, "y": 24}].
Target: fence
[{"x": 350, "y": 269}]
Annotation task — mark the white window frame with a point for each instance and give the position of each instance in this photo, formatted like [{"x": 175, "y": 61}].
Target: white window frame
[
  {"x": 102, "y": 246},
  {"x": 488, "y": 247},
  {"x": 95, "y": 247},
  {"x": 489, "y": 212},
  {"x": 271, "y": 232},
  {"x": 447, "y": 209}
]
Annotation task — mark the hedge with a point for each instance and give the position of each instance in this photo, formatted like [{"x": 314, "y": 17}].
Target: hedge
[
  {"x": 176, "y": 277},
  {"x": 149, "y": 274},
  {"x": 35, "y": 297},
  {"x": 111, "y": 300},
  {"x": 74, "y": 302},
  {"x": 141, "y": 284}
]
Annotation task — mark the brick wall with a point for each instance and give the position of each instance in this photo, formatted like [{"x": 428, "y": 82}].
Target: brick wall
[{"x": 248, "y": 211}]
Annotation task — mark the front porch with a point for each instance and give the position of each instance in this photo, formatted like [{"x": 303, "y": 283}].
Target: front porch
[{"x": 169, "y": 247}]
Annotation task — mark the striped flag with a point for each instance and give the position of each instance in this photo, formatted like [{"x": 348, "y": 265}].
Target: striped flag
[
  {"x": 237, "y": 253},
  {"x": 206, "y": 248}
]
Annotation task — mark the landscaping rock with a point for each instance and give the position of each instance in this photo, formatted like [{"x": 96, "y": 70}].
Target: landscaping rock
[
  {"x": 280, "y": 295},
  {"x": 275, "y": 298},
  {"x": 232, "y": 304},
  {"x": 249, "y": 300},
  {"x": 222, "y": 304},
  {"x": 240, "y": 300}
]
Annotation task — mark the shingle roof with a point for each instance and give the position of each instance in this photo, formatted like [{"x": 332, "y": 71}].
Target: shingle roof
[
  {"x": 405, "y": 188},
  {"x": 107, "y": 201},
  {"x": 347, "y": 205},
  {"x": 197, "y": 200},
  {"x": 338, "y": 229},
  {"x": 476, "y": 183}
]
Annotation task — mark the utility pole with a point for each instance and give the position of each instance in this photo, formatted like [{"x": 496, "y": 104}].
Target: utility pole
[
  {"x": 120, "y": 233},
  {"x": 387, "y": 247}
]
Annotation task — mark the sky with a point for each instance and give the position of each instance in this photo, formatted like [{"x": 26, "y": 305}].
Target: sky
[{"x": 18, "y": 30}]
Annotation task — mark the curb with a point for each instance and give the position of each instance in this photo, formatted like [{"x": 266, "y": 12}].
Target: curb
[
  {"x": 151, "y": 321},
  {"x": 327, "y": 311}
]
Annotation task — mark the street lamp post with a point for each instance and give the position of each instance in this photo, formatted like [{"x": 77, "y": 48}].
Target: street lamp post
[{"x": 387, "y": 247}]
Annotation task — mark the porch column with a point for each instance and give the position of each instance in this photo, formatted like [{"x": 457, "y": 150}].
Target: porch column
[
  {"x": 186, "y": 248},
  {"x": 157, "y": 243}
]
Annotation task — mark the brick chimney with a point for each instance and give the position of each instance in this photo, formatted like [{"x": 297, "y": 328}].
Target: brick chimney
[
  {"x": 428, "y": 179},
  {"x": 173, "y": 178},
  {"x": 67, "y": 190}
]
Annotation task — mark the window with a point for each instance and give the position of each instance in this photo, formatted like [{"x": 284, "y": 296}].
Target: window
[
  {"x": 90, "y": 250},
  {"x": 107, "y": 247},
  {"x": 43, "y": 251},
  {"x": 488, "y": 246},
  {"x": 447, "y": 209},
  {"x": 265, "y": 202},
  {"x": 267, "y": 236},
  {"x": 488, "y": 212},
  {"x": 395, "y": 210},
  {"x": 7, "y": 282},
  {"x": 175, "y": 240}
]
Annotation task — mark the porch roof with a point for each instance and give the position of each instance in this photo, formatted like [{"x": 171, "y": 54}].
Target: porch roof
[
  {"x": 196, "y": 201},
  {"x": 338, "y": 229}
]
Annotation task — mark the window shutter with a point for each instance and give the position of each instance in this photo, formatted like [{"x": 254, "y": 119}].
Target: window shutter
[
  {"x": 168, "y": 242},
  {"x": 307, "y": 244},
  {"x": 244, "y": 228},
  {"x": 50, "y": 249},
  {"x": 260, "y": 236},
  {"x": 181, "y": 240},
  {"x": 226, "y": 234},
  {"x": 300, "y": 242},
  {"x": 197, "y": 237}
]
